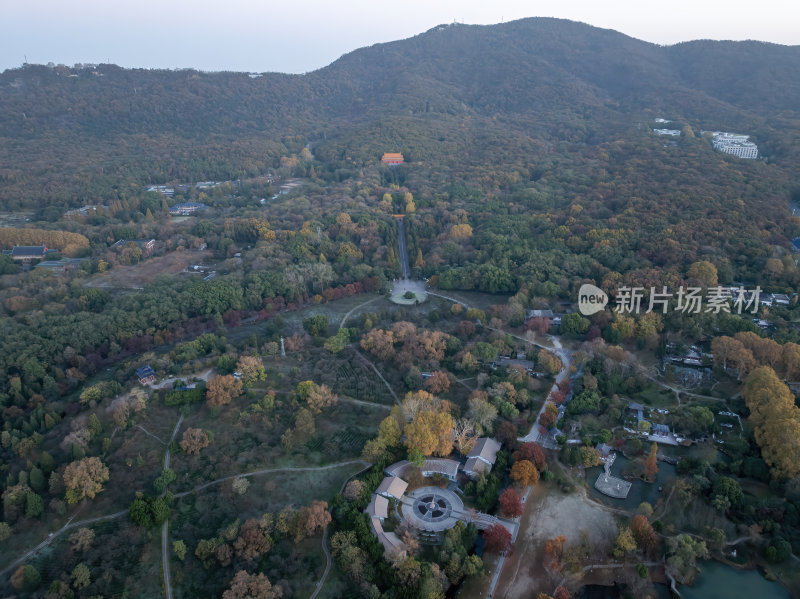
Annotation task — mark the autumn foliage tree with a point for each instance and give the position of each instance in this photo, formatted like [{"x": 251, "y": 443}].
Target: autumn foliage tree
[
  {"x": 252, "y": 369},
  {"x": 380, "y": 343},
  {"x": 84, "y": 479},
  {"x": 525, "y": 473},
  {"x": 252, "y": 541},
  {"x": 549, "y": 415},
  {"x": 553, "y": 551},
  {"x": 438, "y": 382},
  {"x": 222, "y": 390},
  {"x": 643, "y": 533},
  {"x": 312, "y": 519},
  {"x": 776, "y": 420},
  {"x": 81, "y": 539},
  {"x": 510, "y": 503},
  {"x": 651, "y": 463},
  {"x": 430, "y": 433},
  {"x": 317, "y": 397},
  {"x": 561, "y": 593},
  {"x": 194, "y": 439},
  {"x": 533, "y": 453},
  {"x": 251, "y": 586},
  {"x": 497, "y": 539}
]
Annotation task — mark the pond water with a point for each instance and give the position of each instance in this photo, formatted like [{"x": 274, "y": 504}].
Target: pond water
[
  {"x": 718, "y": 581},
  {"x": 640, "y": 490}
]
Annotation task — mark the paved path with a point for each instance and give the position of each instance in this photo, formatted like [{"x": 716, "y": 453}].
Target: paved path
[
  {"x": 165, "y": 526},
  {"x": 325, "y": 549},
  {"x": 498, "y": 569},
  {"x": 556, "y": 348},
  {"x": 403, "y": 249}
]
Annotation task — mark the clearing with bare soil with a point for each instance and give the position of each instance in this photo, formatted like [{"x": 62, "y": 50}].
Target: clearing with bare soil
[{"x": 144, "y": 273}]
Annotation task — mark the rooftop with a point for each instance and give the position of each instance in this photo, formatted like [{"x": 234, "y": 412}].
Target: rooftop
[
  {"x": 441, "y": 466},
  {"x": 393, "y": 486},
  {"x": 378, "y": 507},
  {"x": 485, "y": 448},
  {"x": 475, "y": 465},
  {"x": 28, "y": 250}
]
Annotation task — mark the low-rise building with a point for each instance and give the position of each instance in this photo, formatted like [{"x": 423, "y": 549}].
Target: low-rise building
[
  {"x": 392, "y": 487},
  {"x": 539, "y": 314},
  {"x": 392, "y": 545},
  {"x": 445, "y": 467},
  {"x": 26, "y": 253},
  {"x": 392, "y": 158},
  {"x": 162, "y": 189},
  {"x": 187, "y": 208},
  {"x": 146, "y": 375},
  {"x": 378, "y": 507},
  {"x": 482, "y": 457}
]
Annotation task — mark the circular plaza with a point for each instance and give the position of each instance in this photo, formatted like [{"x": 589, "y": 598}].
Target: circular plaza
[{"x": 432, "y": 508}]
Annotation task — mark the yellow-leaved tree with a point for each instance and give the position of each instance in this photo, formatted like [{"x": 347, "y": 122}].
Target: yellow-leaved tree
[{"x": 776, "y": 420}]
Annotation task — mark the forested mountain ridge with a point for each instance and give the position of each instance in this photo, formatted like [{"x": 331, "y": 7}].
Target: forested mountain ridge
[{"x": 69, "y": 132}]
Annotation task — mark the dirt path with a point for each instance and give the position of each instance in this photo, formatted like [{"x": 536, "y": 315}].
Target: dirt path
[
  {"x": 385, "y": 382},
  {"x": 370, "y": 404},
  {"x": 53, "y": 535},
  {"x": 270, "y": 471},
  {"x": 147, "y": 432},
  {"x": 346, "y": 316}
]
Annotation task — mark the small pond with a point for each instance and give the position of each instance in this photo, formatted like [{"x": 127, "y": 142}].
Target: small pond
[
  {"x": 718, "y": 581},
  {"x": 640, "y": 490}
]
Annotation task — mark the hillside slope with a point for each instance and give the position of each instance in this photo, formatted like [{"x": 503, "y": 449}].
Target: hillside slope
[{"x": 66, "y": 133}]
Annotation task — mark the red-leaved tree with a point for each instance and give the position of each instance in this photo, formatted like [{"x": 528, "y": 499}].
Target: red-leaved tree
[
  {"x": 497, "y": 539},
  {"x": 510, "y": 503},
  {"x": 533, "y": 453}
]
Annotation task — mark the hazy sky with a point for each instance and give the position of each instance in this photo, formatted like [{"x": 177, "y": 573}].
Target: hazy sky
[{"x": 302, "y": 35}]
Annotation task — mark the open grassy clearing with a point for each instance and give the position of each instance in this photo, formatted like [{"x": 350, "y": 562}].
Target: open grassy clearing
[{"x": 144, "y": 273}]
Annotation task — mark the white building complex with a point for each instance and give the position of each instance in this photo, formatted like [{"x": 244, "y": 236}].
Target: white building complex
[{"x": 735, "y": 144}]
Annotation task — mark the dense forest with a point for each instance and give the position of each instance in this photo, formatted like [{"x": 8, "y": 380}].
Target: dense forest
[
  {"x": 457, "y": 95},
  {"x": 531, "y": 167}
]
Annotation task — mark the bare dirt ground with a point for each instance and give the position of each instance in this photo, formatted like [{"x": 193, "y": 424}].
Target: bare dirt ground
[
  {"x": 550, "y": 513},
  {"x": 139, "y": 275}
]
